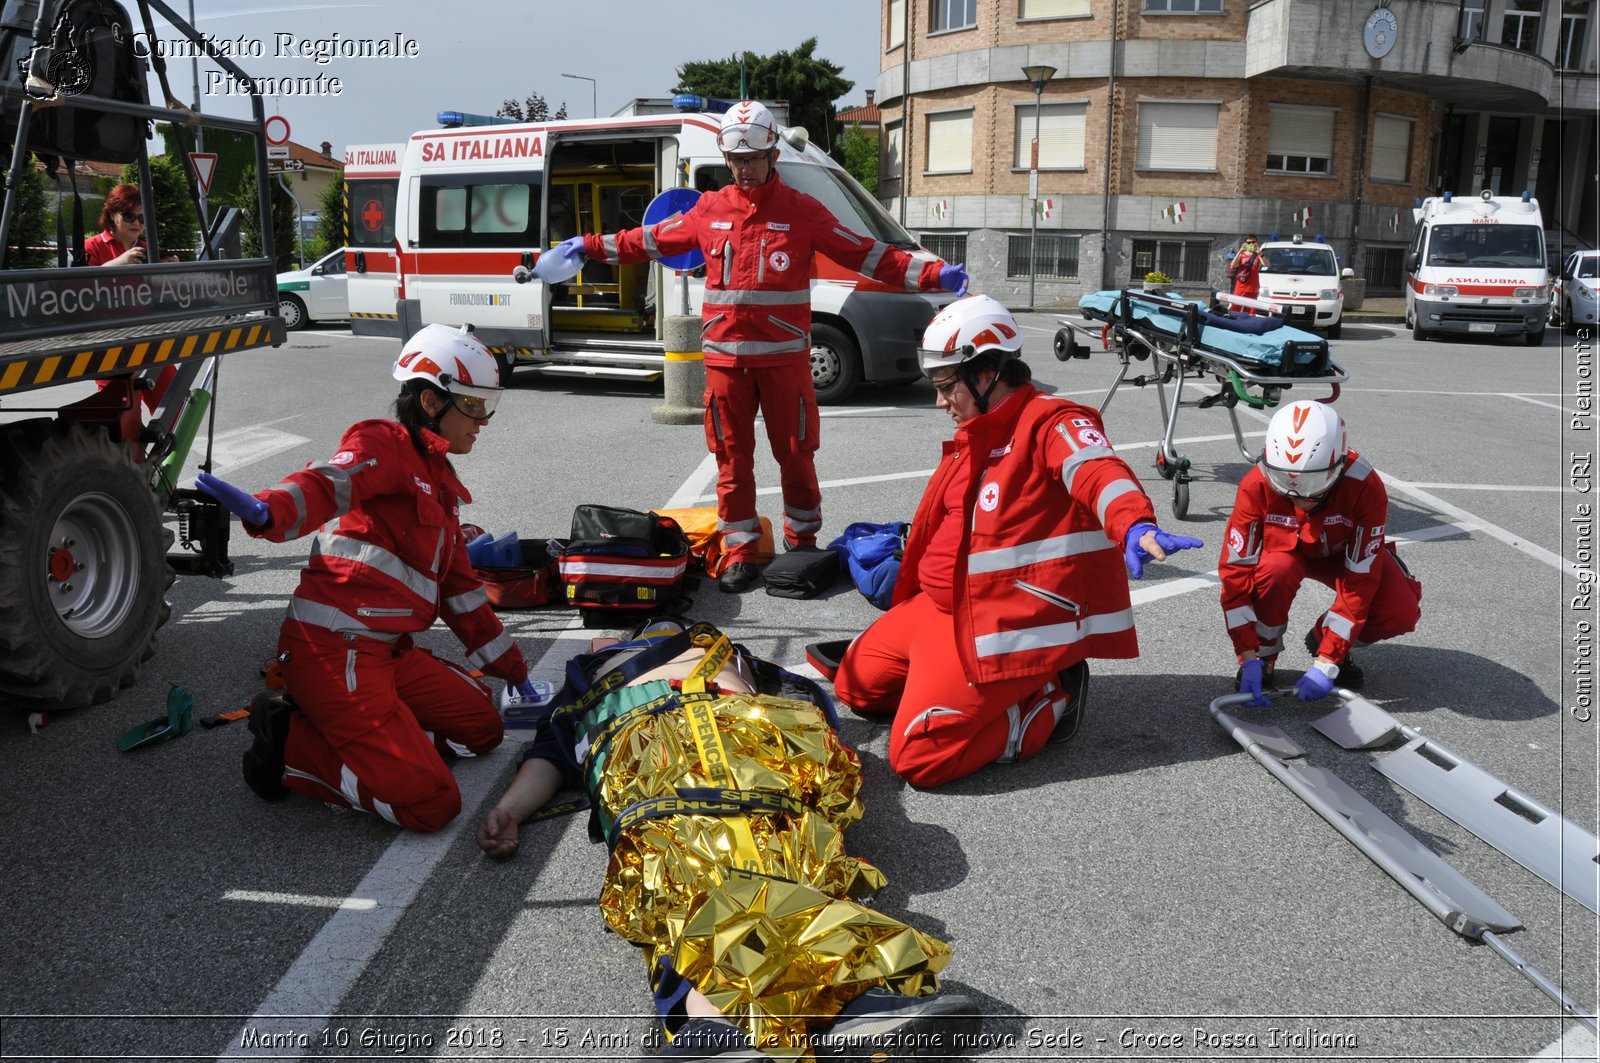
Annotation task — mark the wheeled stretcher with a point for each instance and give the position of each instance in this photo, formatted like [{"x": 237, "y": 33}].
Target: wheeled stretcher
[{"x": 1253, "y": 359}]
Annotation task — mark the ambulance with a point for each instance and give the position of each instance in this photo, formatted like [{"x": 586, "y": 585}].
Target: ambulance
[
  {"x": 477, "y": 204},
  {"x": 1477, "y": 267},
  {"x": 371, "y": 179}
]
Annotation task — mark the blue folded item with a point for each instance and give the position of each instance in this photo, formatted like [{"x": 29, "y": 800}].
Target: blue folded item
[
  {"x": 1280, "y": 346},
  {"x": 872, "y": 554}
]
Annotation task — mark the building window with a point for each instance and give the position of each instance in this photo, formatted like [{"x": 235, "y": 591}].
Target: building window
[
  {"x": 1057, "y": 256},
  {"x": 893, "y": 145},
  {"x": 950, "y": 142},
  {"x": 953, "y": 14},
  {"x": 1060, "y": 136},
  {"x": 1300, "y": 139},
  {"x": 1177, "y": 136},
  {"x": 1574, "y": 23},
  {"x": 1184, "y": 7},
  {"x": 952, "y": 247},
  {"x": 1385, "y": 269},
  {"x": 1052, "y": 8},
  {"x": 1185, "y": 260},
  {"x": 897, "y": 23},
  {"x": 1391, "y": 148},
  {"x": 1521, "y": 27},
  {"x": 1471, "y": 28}
]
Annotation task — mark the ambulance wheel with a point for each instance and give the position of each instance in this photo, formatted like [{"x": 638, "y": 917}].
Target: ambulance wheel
[
  {"x": 835, "y": 364},
  {"x": 1180, "y": 499},
  {"x": 293, "y": 312},
  {"x": 503, "y": 363},
  {"x": 1334, "y": 330},
  {"x": 1165, "y": 468},
  {"x": 1534, "y": 339},
  {"x": 1417, "y": 331},
  {"x": 83, "y": 565}
]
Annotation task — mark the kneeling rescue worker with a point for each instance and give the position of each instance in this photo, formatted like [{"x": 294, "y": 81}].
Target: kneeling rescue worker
[
  {"x": 1311, "y": 507},
  {"x": 370, "y": 717}
]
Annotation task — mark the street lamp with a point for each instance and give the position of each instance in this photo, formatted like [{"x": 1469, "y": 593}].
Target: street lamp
[
  {"x": 594, "y": 111},
  {"x": 1039, "y": 76}
]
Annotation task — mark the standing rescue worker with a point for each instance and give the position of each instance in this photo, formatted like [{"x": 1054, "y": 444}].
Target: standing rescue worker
[
  {"x": 1311, "y": 507},
  {"x": 759, "y": 237},
  {"x": 1013, "y": 570},
  {"x": 1245, "y": 269},
  {"x": 370, "y": 716}
]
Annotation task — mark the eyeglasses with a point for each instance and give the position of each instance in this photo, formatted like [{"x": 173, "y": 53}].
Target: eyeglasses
[
  {"x": 472, "y": 406},
  {"x": 946, "y": 387},
  {"x": 739, "y": 162},
  {"x": 133, "y": 219}
]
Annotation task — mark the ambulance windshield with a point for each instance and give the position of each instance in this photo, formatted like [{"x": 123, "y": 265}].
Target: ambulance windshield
[
  {"x": 1508, "y": 246},
  {"x": 1317, "y": 261},
  {"x": 846, "y": 199}
]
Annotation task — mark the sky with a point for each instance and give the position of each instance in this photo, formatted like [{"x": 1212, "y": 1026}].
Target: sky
[{"x": 469, "y": 55}]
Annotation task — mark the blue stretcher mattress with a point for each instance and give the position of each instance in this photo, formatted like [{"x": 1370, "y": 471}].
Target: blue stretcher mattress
[{"x": 1264, "y": 348}]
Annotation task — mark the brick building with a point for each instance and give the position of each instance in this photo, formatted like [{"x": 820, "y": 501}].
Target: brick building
[{"x": 1226, "y": 117}]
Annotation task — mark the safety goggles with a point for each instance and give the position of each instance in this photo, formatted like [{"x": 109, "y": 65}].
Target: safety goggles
[
  {"x": 475, "y": 407},
  {"x": 746, "y": 138},
  {"x": 1309, "y": 483},
  {"x": 946, "y": 385}
]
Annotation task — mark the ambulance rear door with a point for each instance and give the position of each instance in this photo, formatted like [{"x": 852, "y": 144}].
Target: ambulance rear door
[{"x": 371, "y": 181}]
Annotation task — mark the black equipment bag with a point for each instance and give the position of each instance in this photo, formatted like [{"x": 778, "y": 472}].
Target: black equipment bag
[
  {"x": 803, "y": 572},
  {"x": 623, "y": 559}
]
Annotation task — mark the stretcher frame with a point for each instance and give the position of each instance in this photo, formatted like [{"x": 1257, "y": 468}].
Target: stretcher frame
[{"x": 1178, "y": 360}]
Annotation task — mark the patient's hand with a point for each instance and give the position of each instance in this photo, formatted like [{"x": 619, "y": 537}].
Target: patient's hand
[{"x": 497, "y": 834}]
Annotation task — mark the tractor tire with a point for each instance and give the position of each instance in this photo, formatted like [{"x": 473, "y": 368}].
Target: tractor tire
[{"x": 83, "y": 566}]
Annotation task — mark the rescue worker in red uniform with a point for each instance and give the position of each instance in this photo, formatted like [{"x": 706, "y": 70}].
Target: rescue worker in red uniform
[
  {"x": 759, "y": 237},
  {"x": 1311, "y": 507},
  {"x": 370, "y": 716},
  {"x": 1245, "y": 269},
  {"x": 1013, "y": 573}
]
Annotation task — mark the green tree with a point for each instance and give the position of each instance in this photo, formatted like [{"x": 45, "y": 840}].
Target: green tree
[
  {"x": 330, "y": 226},
  {"x": 860, "y": 150},
  {"x": 233, "y": 151},
  {"x": 173, "y": 209},
  {"x": 32, "y": 223},
  {"x": 809, "y": 84},
  {"x": 284, "y": 246},
  {"x": 533, "y": 108}
]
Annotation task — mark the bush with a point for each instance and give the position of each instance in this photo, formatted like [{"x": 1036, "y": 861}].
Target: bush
[{"x": 1155, "y": 278}]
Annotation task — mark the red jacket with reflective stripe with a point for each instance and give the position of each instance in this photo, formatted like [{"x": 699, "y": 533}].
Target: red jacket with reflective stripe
[
  {"x": 759, "y": 248},
  {"x": 1349, "y": 525},
  {"x": 1040, "y": 582},
  {"x": 395, "y": 563}
]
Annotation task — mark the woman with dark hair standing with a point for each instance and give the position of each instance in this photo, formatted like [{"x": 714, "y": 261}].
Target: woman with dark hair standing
[
  {"x": 120, "y": 241},
  {"x": 369, "y": 715}
]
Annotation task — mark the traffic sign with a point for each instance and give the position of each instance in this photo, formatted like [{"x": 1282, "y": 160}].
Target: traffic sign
[
  {"x": 277, "y": 129},
  {"x": 282, "y": 165},
  {"x": 205, "y": 164},
  {"x": 277, "y": 151}
]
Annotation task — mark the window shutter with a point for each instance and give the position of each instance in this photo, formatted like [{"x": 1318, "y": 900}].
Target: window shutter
[
  {"x": 1053, "y": 8},
  {"x": 1061, "y": 128},
  {"x": 950, "y": 141},
  {"x": 1177, "y": 136},
  {"x": 1305, "y": 131},
  {"x": 897, "y": 23},
  {"x": 1391, "y": 147}
]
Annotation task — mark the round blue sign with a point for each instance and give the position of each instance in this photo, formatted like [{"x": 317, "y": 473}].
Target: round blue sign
[{"x": 672, "y": 202}]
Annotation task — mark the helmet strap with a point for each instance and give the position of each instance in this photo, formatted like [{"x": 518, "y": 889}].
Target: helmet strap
[{"x": 969, "y": 377}]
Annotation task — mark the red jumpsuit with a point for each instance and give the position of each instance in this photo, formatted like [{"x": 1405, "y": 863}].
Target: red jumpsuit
[
  {"x": 1271, "y": 547},
  {"x": 377, "y": 713},
  {"x": 1013, "y": 571},
  {"x": 756, "y": 334},
  {"x": 1247, "y": 279}
]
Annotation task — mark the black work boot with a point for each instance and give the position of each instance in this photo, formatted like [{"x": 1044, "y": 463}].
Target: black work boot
[
  {"x": 263, "y": 761},
  {"x": 883, "y": 1025},
  {"x": 1075, "y": 685},
  {"x": 740, "y": 577},
  {"x": 1351, "y": 677}
]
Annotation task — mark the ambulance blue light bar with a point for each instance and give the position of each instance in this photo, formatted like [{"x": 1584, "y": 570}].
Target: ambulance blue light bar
[{"x": 457, "y": 119}]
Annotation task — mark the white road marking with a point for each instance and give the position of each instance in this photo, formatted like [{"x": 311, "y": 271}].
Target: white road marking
[
  {"x": 1486, "y": 487},
  {"x": 239, "y": 447},
  {"x": 1576, "y": 1043},
  {"x": 302, "y": 900},
  {"x": 1537, "y": 402},
  {"x": 693, "y": 489}
]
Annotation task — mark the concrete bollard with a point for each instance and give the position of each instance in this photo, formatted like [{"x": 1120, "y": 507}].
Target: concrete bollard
[{"x": 683, "y": 378}]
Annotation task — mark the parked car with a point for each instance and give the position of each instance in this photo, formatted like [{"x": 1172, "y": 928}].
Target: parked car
[
  {"x": 1575, "y": 300},
  {"x": 316, "y": 293},
  {"x": 1305, "y": 278}
]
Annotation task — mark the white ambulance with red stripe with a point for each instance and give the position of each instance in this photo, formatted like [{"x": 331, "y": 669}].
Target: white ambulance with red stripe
[
  {"x": 476, "y": 202},
  {"x": 371, "y": 178},
  {"x": 1477, "y": 267}
]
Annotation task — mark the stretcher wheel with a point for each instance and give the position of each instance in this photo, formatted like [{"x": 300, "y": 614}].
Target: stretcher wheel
[
  {"x": 1063, "y": 345},
  {"x": 1166, "y": 468},
  {"x": 1180, "y": 499}
]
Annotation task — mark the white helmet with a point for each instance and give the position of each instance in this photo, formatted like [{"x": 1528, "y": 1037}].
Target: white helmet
[
  {"x": 747, "y": 126},
  {"x": 1305, "y": 450},
  {"x": 967, "y": 328},
  {"x": 455, "y": 361}
]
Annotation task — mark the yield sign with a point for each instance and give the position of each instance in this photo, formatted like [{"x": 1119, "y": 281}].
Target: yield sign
[{"x": 205, "y": 164}]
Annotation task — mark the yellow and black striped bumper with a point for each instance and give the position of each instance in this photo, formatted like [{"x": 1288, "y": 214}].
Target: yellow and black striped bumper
[{"x": 106, "y": 359}]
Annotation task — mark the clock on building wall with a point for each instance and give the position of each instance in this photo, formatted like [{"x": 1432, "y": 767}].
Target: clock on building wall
[{"x": 1380, "y": 31}]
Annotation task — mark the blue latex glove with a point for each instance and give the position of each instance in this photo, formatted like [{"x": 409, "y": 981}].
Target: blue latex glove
[
  {"x": 1250, "y": 674},
  {"x": 526, "y": 691},
  {"x": 1134, "y": 555},
  {"x": 954, "y": 278},
  {"x": 572, "y": 247},
  {"x": 1312, "y": 686},
  {"x": 486, "y": 551},
  {"x": 236, "y": 500}
]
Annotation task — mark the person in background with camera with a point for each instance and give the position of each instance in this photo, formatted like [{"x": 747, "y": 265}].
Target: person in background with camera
[
  {"x": 1245, "y": 269},
  {"x": 370, "y": 717},
  {"x": 120, "y": 241}
]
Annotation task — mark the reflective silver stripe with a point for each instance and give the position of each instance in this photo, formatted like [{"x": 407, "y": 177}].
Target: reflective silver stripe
[
  {"x": 1112, "y": 491},
  {"x": 339, "y": 478},
  {"x": 376, "y": 557},
  {"x": 490, "y": 651},
  {"x": 1269, "y": 638},
  {"x": 384, "y": 809},
  {"x": 349, "y": 786},
  {"x": 608, "y": 249},
  {"x": 799, "y": 526},
  {"x": 848, "y": 235},
  {"x": 1069, "y": 468},
  {"x": 294, "y": 492},
  {"x": 438, "y": 552},
  {"x": 756, "y": 297},
  {"x": 753, "y": 524},
  {"x": 788, "y": 327},
  {"x": 875, "y": 256},
  {"x": 639, "y": 570},
  {"x": 739, "y": 347},
  {"x": 1245, "y": 614},
  {"x": 1049, "y": 636},
  {"x": 1055, "y": 548},
  {"x": 462, "y": 604},
  {"x": 1060, "y": 601},
  {"x": 928, "y": 714},
  {"x": 326, "y": 616},
  {"x": 705, "y": 326},
  {"x": 650, "y": 247},
  {"x": 914, "y": 270},
  {"x": 1342, "y": 626},
  {"x": 350, "y": 671},
  {"x": 1361, "y": 568},
  {"x": 1358, "y": 469},
  {"x": 1269, "y": 649},
  {"x": 740, "y": 538},
  {"x": 727, "y": 263},
  {"x": 794, "y": 513}
]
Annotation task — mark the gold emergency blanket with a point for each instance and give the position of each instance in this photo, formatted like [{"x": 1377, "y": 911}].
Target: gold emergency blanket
[{"x": 756, "y": 908}]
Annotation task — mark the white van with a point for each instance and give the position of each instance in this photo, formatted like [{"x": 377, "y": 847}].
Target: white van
[
  {"x": 476, "y": 202},
  {"x": 371, "y": 177},
  {"x": 1305, "y": 279},
  {"x": 1477, "y": 266}
]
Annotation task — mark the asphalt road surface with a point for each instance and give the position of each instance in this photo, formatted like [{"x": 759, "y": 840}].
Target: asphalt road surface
[{"x": 1146, "y": 891}]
